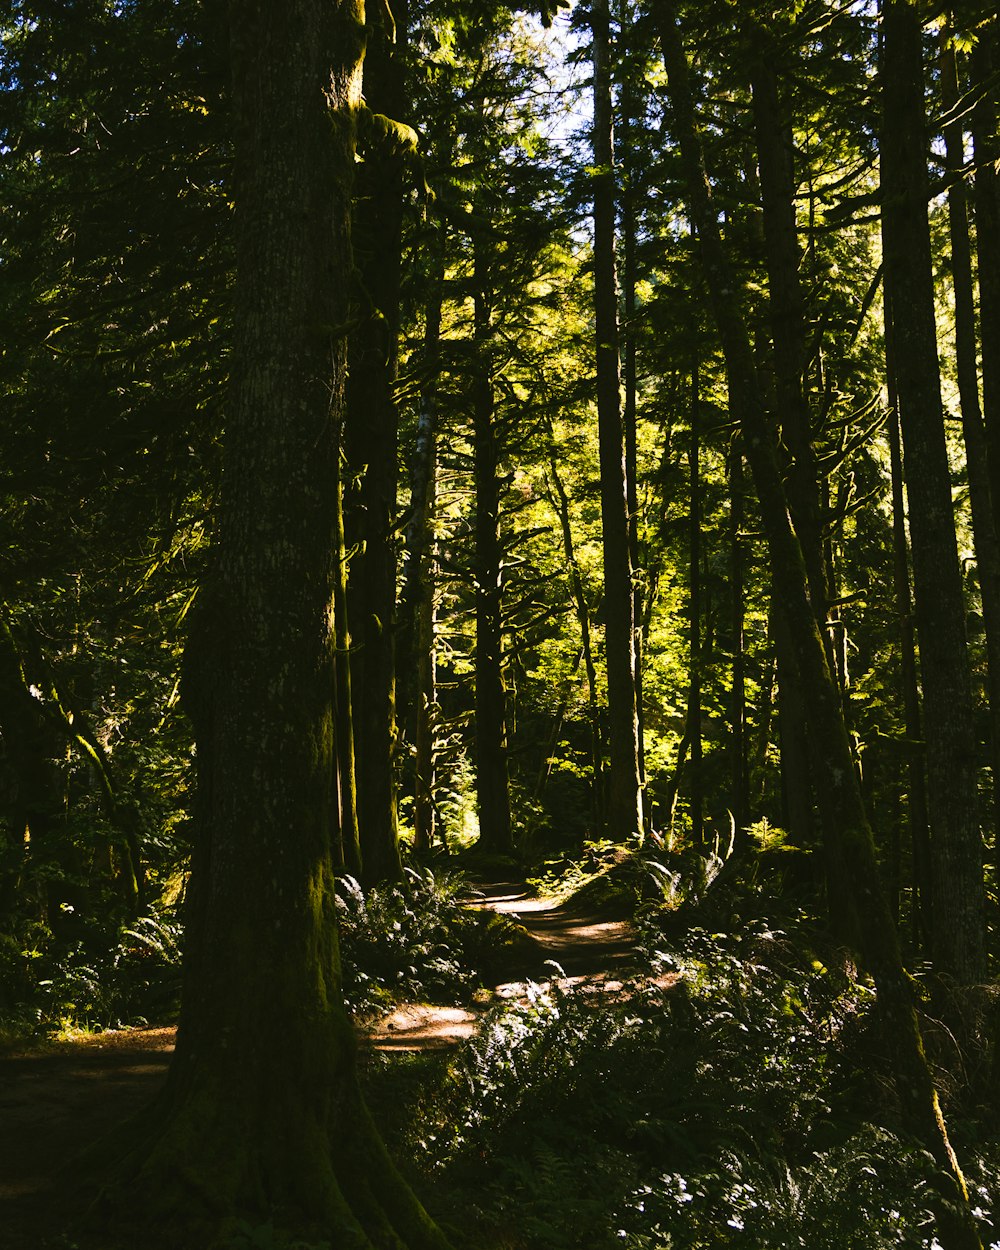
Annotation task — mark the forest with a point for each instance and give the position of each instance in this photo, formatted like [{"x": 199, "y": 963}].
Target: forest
[{"x": 499, "y": 624}]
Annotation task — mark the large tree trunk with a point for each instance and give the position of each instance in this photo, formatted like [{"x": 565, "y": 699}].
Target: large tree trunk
[
  {"x": 787, "y": 316},
  {"x": 959, "y": 928},
  {"x": 261, "y": 1117},
  {"x": 625, "y": 786},
  {"x": 847, "y": 834},
  {"x": 372, "y": 434}
]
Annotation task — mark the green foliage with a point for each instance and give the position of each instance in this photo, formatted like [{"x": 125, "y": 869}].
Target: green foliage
[
  {"x": 714, "y": 1109},
  {"x": 414, "y": 941},
  {"x": 564, "y": 877},
  {"x": 104, "y": 979}
]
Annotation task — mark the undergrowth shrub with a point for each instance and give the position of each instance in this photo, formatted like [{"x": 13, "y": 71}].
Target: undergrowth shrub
[
  {"x": 128, "y": 974},
  {"x": 414, "y": 940},
  {"x": 715, "y": 1108}
]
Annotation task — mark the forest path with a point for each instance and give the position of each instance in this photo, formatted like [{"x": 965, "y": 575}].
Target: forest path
[
  {"x": 72, "y": 1092},
  {"x": 591, "y": 951}
]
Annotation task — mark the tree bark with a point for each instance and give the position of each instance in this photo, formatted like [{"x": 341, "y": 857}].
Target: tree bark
[
  {"x": 919, "y": 824},
  {"x": 694, "y": 614},
  {"x": 347, "y": 847},
  {"x": 793, "y": 734},
  {"x": 625, "y": 786},
  {"x": 261, "y": 1118},
  {"x": 739, "y": 774},
  {"x": 973, "y": 428},
  {"x": 958, "y": 947},
  {"x": 630, "y": 379},
  {"x": 35, "y": 794},
  {"x": 786, "y": 311},
  {"x": 493, "y": 794},
  {"x": 372, "y": 430},
  {"x": 561, "y": 504},
  {"x": 986, "y": 196},
  {"x": 418, "y": 600},
  {"x": 424, "y": 810}
]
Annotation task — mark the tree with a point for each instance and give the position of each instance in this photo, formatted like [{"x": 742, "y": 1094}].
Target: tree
[
  {"x": 625, "y": 787},
  {"x": 492, "y": 781},
  {"x": 372, "y": 426},
  {"x": 262, "y": 1116},
  {"x": 956, "y": 848}
]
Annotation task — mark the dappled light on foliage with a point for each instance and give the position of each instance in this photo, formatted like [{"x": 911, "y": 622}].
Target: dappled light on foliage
[{"x": 500, "y": 624}]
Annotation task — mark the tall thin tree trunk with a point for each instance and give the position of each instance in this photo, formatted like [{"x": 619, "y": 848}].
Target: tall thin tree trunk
[
  {"x": 694, "y": 612},
  {"x": 986, "y": 153},
  {"x": 757, "y": 767},
  {"x": 625, "y": 798},
  {"x": 417, "y": 611},
  {"x": 793, "y": 734},
  {"x": 491, "y": 714},
  {"x": 974, "y": 431},
  {"x": 738, "y": 768},
  {"x": 371, "y": 436},
  {"x": 916, "y": 775},
  {"x": 786, "y": 309},
  {"x": 427, "y": 708},
  {"x": 561, "y": 502},
  {"x": 628, "y": 110},
  {"x": 348, "y": 831},
  {"x": 959, "y": 927}
]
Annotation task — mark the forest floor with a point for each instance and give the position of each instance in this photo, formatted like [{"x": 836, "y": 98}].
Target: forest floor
[{"x": 63, "y": 1096}]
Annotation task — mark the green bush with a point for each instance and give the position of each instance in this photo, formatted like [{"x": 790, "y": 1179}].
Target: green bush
[
  {"x": 414, "y": 940},
  {"x": 103, "y": 980},
  {"x": 716, "y": 1111}
]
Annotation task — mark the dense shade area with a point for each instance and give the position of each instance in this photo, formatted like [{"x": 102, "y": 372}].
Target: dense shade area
[{"x": 551, "y": 441}]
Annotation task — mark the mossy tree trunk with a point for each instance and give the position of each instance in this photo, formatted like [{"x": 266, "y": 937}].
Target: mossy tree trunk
[{"x": 261, "y": 1118}]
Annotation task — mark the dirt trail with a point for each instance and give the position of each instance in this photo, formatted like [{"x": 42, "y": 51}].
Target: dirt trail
[
  {"x": 56, "y": 1100},
  {"x": 577, "y": 950}
]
